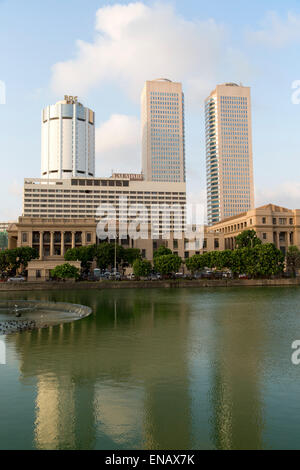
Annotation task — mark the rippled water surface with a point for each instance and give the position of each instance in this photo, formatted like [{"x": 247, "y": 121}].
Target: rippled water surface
[{"x": 156, "y": 369}]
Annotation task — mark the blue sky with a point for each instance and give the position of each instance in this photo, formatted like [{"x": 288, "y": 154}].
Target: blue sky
[{"x": 197, "y": 42}]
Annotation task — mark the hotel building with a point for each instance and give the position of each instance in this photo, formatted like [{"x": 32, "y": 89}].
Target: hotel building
[
  {"x": 79, "y": 198},
  {"x": 229, "y": 162},
  {"x": 163, "y": 141}
]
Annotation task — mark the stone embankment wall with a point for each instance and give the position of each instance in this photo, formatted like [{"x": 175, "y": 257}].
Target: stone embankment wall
[{"x": 34, "y": 286}]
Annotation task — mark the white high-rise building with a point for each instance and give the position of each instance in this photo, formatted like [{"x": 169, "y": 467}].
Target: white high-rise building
[
  {"x": 229, "y": 163},
  {"x": 68, "y": 140},
  {"x": 163, "y": 144}
]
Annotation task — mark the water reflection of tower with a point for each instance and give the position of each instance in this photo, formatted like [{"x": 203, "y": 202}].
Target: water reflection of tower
[
  {"x": 235, "y": 395},
  {"x": 91, "y": 377},
  {"x": 64, "y": 386},
  {"x": 167, "y": 400}
]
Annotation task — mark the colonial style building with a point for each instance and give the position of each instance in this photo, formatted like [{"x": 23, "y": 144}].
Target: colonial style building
[
  {"x": 53, "y": 237},
  {"x": 273, "y": 224}
]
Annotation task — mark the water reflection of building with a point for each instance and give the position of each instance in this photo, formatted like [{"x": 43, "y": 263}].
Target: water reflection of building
[
  {"x": 235, "y": 394},
  {"x": 92, "y": 386}
]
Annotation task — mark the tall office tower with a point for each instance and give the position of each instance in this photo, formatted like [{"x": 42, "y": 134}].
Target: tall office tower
[
  {"x": 68, "y": 140},
  {"x": 229, "y": 163},
  {"x": 163, "y": 145}
]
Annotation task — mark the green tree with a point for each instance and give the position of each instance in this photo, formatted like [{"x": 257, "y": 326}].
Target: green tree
[
  {"x": 130, "y": 255},
  {"x": 269, "y": 260},
  {"x": 3, "y": 263},
  {"x": 84, "y": 254},
  {"x": 3, "y": 240},
  {"x": 12, "y": 260},
  {"x": 142, "y": 267},
  {"x": 167, "y": 264},
  {"x": 24, "y": 255},
  {"x": 196, "y": 263},
  {"x": 105, "y": 254},
  {"x": 247, "y": 239},
  {"x": 65, "y": 271},
  {"x": 162, "y": 250},
  {"x": 293, "y": 259}
]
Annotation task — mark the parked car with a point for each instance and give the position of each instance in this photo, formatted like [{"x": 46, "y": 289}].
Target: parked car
[
  {"x": 154, "y": 277},
  {"x": 179, "y": 275},
  {"x": 131, "y": 277},
  {"x": 115, "y": 276},
  {"x": 243, "y": 276},
  {"x": 16, "y": 279},
  {"x": 105, "y": 275}
]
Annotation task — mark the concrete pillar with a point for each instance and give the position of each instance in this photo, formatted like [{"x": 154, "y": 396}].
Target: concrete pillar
[
  {"x": 41, "y": 244},
  {"x": 73, "y": 239},
  {"x": 62, "y": 243},
  {"x": 275, "y": 239},
  {"x": 83, "y": 238},
  {"x": 51, "y": 243}
]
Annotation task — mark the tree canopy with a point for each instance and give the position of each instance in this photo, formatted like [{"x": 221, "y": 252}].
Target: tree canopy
[
  {"x": 247, "y": 239},
  {"x": 104, "y": 254},
  {"x": 293, "y": 259},
  {"x": 142, "y": 268},
  {"x": 65, "y": 271},
  {"x": 167, "y": 264},
  {"x": 12, "y": 260},
  {"x": 260, "y": 261},
  {"x": 162, "y": 250},
  {"x": 3, "y": 240}
]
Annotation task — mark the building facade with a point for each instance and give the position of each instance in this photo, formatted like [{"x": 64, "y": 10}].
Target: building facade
[
  {"x": 229, "y": 161},
  {"x": 78, "y": 198},
  {"x": 163, "y": 139},
  {"x": 273, "y": 224},
  {"x": 68, "y": 140},
  {"x": 53, "y": 237}
]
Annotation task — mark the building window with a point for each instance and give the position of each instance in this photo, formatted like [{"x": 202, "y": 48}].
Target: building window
[
  {"x": 143, "y": 253},
  {"x": 216, "y": 243},
  {"x": 88, "y": 237},
  {"x": 274, "y": 221},
  {"x": 24, "y": 237},
  {"x": 38, "y": 274},
  {"x": 186, "y": 254},
  {"x": 264, "y": 236},
  {"x": 204, "y": 243},
  {"x": 175, "y": 244},
  {"x": 263, "y": 220},
  {"x": 291, "y": 221}
]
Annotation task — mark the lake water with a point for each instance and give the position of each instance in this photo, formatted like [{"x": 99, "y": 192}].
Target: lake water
[{"x": 156, "y": 369}]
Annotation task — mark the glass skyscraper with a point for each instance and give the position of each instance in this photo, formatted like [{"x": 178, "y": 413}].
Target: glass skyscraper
[
  {"x": 163, "y": 144},
  {"x": 229, "y": 162}
]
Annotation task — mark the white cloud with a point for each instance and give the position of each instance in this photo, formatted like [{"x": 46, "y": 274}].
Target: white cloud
[
  {"x": 286, "y": 194},
  {"x": 135, "y": 42},
  {"x": 118, "y": 145},
  {"x": 276, "y": 31}
]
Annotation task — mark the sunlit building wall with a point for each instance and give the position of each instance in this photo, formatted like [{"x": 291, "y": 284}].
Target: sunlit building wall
[
  {"x": 68, "y": 140},
  {"x": 163, "y": 141},
  {"x": 229, "y": 162}
]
